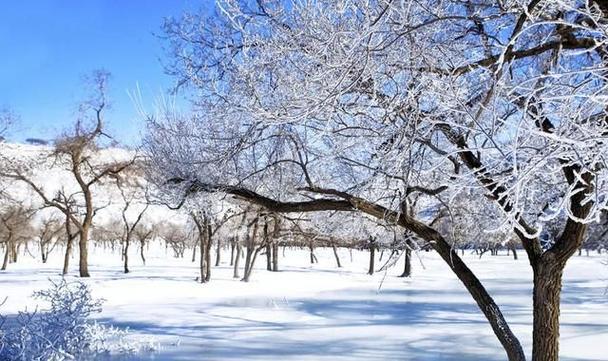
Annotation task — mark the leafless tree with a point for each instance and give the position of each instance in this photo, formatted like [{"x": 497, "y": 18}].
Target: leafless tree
[
  {"x": 77, "y": 151},
  {"x": 15, "y": 228},
  {"x": 49, "y": 233},
  {"x": 134, "y": 193}
]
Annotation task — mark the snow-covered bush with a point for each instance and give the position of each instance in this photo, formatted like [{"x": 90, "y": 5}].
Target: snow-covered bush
[{"x": 64, "y": 331}]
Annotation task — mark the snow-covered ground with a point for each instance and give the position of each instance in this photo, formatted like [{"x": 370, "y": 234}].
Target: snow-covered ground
[{"x": 320, "y": 312}]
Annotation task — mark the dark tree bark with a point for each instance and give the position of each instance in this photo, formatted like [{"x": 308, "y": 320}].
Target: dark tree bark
[
  {"x": 232, "y": 248},
  {"x": 407, "y": 266},
  {"x": 236, "y": 261},
  {"x": 275, "y": 257},
  {"x": 201, "y": 240},
  {"x": 336, "y": 256},
  {"x": 546, "y": 301},
  {"x": 248, "y": 265},
  {"x": 141, "y": 252},
  {"x": 126, "y": 255},
  {"x": 218, "y": 252},
  {"x": 268, "y": 257},
  {"x": 66, "y": 256},
  {"x": 208, "y": 251},
  {"x": 372, "y": 257},
  {"x": 6, "y": 255},
  {"x": 83, "y": 247},
  {"x": 313, "y": 258}
]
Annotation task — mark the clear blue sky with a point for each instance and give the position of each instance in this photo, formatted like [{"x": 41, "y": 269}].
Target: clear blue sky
[{"x": 46, "y": 46}]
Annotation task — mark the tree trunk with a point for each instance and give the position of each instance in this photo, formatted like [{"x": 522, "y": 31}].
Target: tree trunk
[
  {"x": 14, "y": 252},
  {"x": 125, "y": 256},
  {"x": 407, "y": 268},
  {"x": 6, "y": 255},
  {"x": 68, "y": 254},
  {"x": 336, "y": 255},
  {"x": 208, "y": 254},
  {"x": 246, "y": 271},
  {"x": 275, "y": 257},
  {"x": 193, "y": 253},
  {"x": 485, "y": 302},
  {"x": 232, "y": 246},
  {"x": 83, "y": 266},
  {"x": 514, "y": 253},
  {"x": 44, "y": 252},
  {"x": 268, "y": 257},
  {"x": 218, "y": 252},
  {"x": 236, "y": 261},
  {"x": 372, "y": 256},
  {"x": 313, "y": 258},
  {"x": 141, "y": 253},
  {"x": 546, "y": 300},
  {"x": 202, "y": 258}
]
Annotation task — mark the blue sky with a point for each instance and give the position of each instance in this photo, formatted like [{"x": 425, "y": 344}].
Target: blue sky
[{"x": 47, "y": 46}]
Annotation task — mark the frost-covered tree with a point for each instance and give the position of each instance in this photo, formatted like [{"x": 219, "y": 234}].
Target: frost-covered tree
[{"x": 371, "y": 106}]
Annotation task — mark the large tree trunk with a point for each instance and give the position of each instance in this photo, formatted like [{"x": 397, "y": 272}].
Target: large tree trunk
[
  {"x": 407, "y": 267},
  {"x": 546, "y": 301},
  {"x": 67, "y": 255},
  {"x": 83, "y": 266}
]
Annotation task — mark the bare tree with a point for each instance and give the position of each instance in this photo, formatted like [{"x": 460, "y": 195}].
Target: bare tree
[
  {"x": 15, "y": 227},
  {"x": 132, "y": 190},
  {"x": 77, "y": 151},
  {"x": 49, "y": 232},
  {"x": 143, "y": 234}
]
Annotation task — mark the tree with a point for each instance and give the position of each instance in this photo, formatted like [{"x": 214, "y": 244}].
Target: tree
[
  {"x": 49, "y": 232},
  {"x": 15, "y": 227},
  {"x": 143, "y": 234},
  {"x": 132, "y": 190},
  {"x": 365, "y": 105},
  {"x": 79, "y": 152}
]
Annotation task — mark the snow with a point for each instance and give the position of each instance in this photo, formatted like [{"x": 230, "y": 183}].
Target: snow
[{"x": 320, "y": 312}]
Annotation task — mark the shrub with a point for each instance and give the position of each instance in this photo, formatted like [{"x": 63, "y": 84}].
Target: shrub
[{"x": 64, "y": 331}]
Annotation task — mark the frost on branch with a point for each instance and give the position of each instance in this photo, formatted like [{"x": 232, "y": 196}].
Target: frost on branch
[{"x": 64, "y": 331}]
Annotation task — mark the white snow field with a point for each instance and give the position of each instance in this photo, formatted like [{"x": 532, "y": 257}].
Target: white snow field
[{"x": 320, "y": 312}]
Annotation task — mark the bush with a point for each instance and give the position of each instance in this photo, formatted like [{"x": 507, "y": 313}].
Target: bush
[{"x": 65, "y": 330}]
